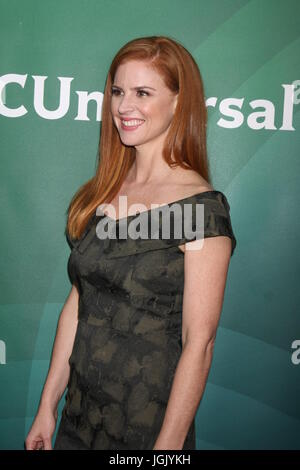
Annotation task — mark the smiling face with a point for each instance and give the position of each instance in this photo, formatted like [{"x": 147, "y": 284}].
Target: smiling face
[{"x": 142, "y": 100}]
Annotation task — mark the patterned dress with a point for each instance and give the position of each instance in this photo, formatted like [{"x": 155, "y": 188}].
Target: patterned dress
[{"x": 128, "y": 339}]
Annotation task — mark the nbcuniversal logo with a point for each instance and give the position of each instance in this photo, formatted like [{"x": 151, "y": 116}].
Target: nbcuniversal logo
[{"x": 231, "y": 109}]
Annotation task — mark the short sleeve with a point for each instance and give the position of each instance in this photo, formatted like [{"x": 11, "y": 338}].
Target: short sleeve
[
  {"x": 75, "y": 242},
  {"x": 217, "y": 220}
]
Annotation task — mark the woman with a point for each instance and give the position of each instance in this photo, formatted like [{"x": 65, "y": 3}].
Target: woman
[{"x": 136, "y": 359}]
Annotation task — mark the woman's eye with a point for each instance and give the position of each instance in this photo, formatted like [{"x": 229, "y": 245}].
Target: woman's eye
[
  {"x": 114, "y": 91},
  {"x": 142, "y": 91}
]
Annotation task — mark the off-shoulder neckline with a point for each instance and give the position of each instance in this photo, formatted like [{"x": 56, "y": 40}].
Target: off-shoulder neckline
[{"x": 213, "y": 191}]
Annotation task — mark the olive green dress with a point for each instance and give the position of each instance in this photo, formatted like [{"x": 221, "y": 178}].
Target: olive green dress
[{"x": 128, "y": 338}]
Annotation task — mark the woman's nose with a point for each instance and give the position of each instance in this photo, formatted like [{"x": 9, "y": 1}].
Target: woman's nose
[{"x": 126, "y": 103}]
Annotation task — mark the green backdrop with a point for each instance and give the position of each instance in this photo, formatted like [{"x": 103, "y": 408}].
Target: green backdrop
[{"x": 248, "y": 54}]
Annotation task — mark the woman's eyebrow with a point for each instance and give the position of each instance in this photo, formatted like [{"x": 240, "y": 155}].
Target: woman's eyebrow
[{"x": 136, "y": 87}]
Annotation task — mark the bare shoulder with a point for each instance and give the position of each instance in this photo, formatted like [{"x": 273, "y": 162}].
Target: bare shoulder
[{"x": 190, "y": 182}]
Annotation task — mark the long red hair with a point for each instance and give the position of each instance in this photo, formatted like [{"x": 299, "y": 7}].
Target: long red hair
[{"x": 186, "y": 139}]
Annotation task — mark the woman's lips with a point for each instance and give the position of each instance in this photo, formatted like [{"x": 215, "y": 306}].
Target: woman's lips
[{"x": 131, "y": 128}]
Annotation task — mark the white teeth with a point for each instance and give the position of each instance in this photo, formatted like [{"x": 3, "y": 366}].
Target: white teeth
[{"x": 131, "y": 123}]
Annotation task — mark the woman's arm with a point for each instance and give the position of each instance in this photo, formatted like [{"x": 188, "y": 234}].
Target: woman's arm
[
  {"x": 204, "y": 286},
  {"x": 59, "y": 371}
]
